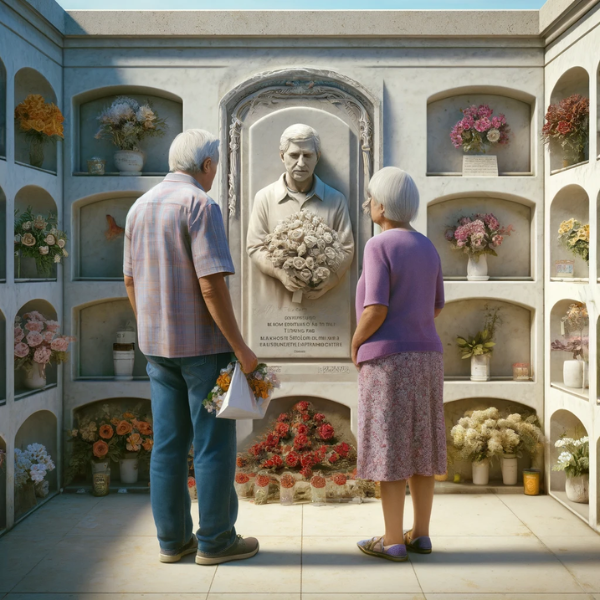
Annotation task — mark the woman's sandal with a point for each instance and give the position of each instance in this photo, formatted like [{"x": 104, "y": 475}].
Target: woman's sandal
[
  {"x": 374, "y": 547},
  {"x": 420, "y": 545}
]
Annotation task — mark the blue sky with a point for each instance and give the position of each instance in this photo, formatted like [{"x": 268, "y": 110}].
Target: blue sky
[{"x": 304, "y": 4}]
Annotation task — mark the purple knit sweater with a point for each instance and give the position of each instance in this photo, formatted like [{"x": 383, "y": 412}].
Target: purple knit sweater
[{"x": 401, "y": 270}]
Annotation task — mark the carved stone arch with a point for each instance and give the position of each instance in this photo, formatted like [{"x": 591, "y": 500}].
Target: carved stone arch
[{"x": 288, "y": 85}]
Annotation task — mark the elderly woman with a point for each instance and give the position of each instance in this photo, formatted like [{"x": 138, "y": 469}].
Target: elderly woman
[{"x": 400, "y": 411}]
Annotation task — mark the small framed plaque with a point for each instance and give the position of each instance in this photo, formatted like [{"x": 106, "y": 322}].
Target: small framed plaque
[
  {"x": 480, "y": 166},
  {"x": 564, "y": 268}
]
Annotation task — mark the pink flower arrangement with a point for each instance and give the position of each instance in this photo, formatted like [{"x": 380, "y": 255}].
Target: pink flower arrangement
[
  {"x": 37, "y": 341},
  {"x": 477, "y": 234},
  {"x": 478, "y": 130}
]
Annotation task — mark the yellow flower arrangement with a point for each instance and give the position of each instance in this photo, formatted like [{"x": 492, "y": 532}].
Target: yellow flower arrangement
[
  {"x": 38, "y": 117},
  {"x": 575, "y": 236},
  {"x": 224, "y": 381},
  {"x": 566, "y": 226}
]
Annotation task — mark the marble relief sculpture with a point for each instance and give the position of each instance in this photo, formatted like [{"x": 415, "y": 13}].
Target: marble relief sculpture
[{"x": 299, "y": 198}]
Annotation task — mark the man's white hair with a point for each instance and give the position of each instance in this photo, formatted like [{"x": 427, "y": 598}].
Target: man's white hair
[
  {"x": 299, "y": 133},
  {"x": 397, "y": 192},
  {"x": 191, "y": 148}
]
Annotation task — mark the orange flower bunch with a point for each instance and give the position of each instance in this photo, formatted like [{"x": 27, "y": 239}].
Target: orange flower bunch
[
  {"x": 134, "y": 435},
  {"x": 38, "y": 117},
  {"x": 224, "y": 381},
  {"x": 260, "y": 388}
]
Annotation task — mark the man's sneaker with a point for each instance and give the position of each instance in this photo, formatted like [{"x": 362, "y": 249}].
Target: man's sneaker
[
  {"x": 172, "y": 556},
  {"x": 240, "y": 549}
]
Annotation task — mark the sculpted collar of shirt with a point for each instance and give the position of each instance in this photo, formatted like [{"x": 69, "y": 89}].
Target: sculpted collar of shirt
[{"x": 282, "y": 193}]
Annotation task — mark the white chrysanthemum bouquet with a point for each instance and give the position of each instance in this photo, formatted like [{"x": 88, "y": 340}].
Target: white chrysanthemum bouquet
[
  {"x": 32, "y": 466},
  {"x": 574, "y": 459},
  {"x": 477, "y": 436},
  {"x": 306, "y": 248}
]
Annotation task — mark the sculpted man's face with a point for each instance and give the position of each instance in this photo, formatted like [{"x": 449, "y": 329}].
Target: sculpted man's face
[{"x": 300, "y": 160}]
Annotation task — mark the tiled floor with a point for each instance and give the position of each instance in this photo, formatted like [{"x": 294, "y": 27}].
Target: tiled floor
[{"x": 485, "y": 548}]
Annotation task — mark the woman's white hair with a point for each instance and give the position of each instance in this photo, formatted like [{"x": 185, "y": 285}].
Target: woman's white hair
[
  {"x": 191, "y": 148},
  {"x": 299, "y": 133},
  {"x": 397, "y": 192}
]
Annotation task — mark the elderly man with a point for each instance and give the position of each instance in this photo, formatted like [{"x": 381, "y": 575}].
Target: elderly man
[
  {"x": 176, "y": 261},
  {"x": 299, "y": 188}
]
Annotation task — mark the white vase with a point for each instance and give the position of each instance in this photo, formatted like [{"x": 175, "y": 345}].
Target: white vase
[
  {"x": 477, "y": 268},
  {"x": 129, "y": 162},
  {"x": 578, "y": 489},
  {"x": 129, "y": 468},
  {"x": 480, "y": 367},
  {"x": 35, "y": 378},
  {"x": 481, "y": 472},
  {"x": 123, "y": 361},
  {"x": 573, "y": 372},
  {"x": 509, "y": 469}
]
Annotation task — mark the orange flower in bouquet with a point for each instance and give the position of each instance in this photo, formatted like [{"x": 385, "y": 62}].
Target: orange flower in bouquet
[
  {"x": 147, "y": 444},
  {"x": 39, "y": 118},
  {"x": 134, "y": 442},
  {"x": 106, "y": 432},
  {"x": 124, "y": 428},
  {"x": 144, "y": 428},
  {"x": 100, "y": 449}
]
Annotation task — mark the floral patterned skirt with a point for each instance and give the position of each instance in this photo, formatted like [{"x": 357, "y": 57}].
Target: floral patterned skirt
[{"x": 401, "y": 429}]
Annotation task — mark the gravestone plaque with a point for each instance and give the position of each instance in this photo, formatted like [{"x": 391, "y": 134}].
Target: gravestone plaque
[{"x": 480, "y": 166}]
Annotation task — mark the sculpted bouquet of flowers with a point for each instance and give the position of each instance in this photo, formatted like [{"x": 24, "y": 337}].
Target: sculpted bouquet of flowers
[
  {"x": 39, "y": 238},
  {"x": 38, "y": 343},
  {"x": 477, "y": 234},
  {"x": 478, "y": 130},
  {"x": 262, "y": 382},
  {"x": 306, "y": 248},
  {"x": 568, "y": 124},
  {"x": 32, "y": 466},
  {"x": 126, "y": 123},
  {"x": 575, "y": 237}
]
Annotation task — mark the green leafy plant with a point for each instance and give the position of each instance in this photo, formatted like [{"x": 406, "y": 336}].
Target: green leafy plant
[{"x": 482, "y": 342}]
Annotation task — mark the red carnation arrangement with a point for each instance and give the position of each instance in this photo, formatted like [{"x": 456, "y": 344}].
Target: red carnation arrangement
[
  {"x": 292, "y": 459},
  {"x": 287, "y": 481},
  {"x": 282, "y": 429},
  {"x": 301, "y": 442},
  {"x": 326, "y": 431},
  {"x": 568, "y": 123}
]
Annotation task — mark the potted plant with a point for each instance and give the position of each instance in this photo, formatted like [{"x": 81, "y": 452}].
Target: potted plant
[
  {"x": 41, "y": 122},
  {"x": 575, "y": 237},
  {"x": 39, "y": 238},
  {"x": 518, "y": 435},
  {"x": 31, "y": 467},
  {"x": 135, "y": 442},
  {"x": 477, "y": 236},
  {"x": 126, "y": 123},
  {"x": 478, "y": 131},
  {"x": 574, "y": 460},
  {"x": 574, "y": 322},
  {"x": 479, "y": 348},
  {"x": 478, "y": 440},
  {"x": 37, "y": 343},
  {"x": 567, "y": 124}
]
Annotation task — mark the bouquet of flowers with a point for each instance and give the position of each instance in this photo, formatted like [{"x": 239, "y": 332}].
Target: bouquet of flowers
[
  {"x": 262, "y": 382},
  {"x": 576, "y": 319},
  {"x": 37, "y": 342},
  {"x": 520, "y": 434},
  {"x": 574, "y": 345},
  {"x": 477, "y": 234},
  {"x": 126, "y": 123},
  {"x": 477, "y": 435},
  {"x": 568, "y": 124},
  {"x": 478, "y": 130},
  {"x": 575, "y": 458},
  {"x": 306, "y": 248},
  {"x": 32, "y": 466},
  {"x": 482, "y": 342},
  {"x": 576, "y": 238},
  {"x": 39, "y": 238}
]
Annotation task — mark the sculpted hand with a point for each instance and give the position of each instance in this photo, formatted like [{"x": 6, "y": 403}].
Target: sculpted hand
[
  {"x": 247, "y": 358},
  {"x": 290, "y": 283},
  {"x": 322, "y": 288}
]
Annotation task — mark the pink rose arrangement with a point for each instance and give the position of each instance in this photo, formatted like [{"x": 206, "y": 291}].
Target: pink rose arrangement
[
  {"x": 478, "y": 130},
  {"x": 37, "y": 342},
  {"x": 477, "y": 234}
]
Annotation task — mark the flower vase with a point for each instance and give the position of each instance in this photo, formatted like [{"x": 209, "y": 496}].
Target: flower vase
[
  {"x": 129, "y": 162},
  {"x": 578, "y": 488},
  {"x": 573, "y": 373},
  {"x": 509, "y": 469},
  {"x": 100, "y": 477},
  {"x": 25, "y": 498},
  {"x": 261, "y": 488},
  {"x": 128, "y": 467},
  {"x": 477, "y": 268},
  {"x": 481, "y": 472},
  {"x": 242, "y": 484},
  {"x": 338, "y": 487},
  {"x": 123, "y": 361},
  {"x": 318, "y": 490},
  {"x": 36, "y": 152},
  {"x": 42, "y": 488},
  {"x": 35, "y": 377},
  {"x": 480, "y": 367},
  {"x": 287, "y": 484}
]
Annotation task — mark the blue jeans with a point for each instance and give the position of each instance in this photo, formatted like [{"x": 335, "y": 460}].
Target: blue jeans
[{"x": 178, "y": 387}]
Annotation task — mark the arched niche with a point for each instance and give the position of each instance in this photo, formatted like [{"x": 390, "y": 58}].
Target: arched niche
[
  {"x": 564, "y": 423},
  {"x": 99, "y": 239},
  {"x": 49, "y": 312},
  {"x": 39, "y": 428},
  {"x": 90, "y": 104},
  {"x": 41, "y": 203},
  {"x": 3, "y": 470},
  {"x": 2, "y": 236},
  {"x": 571, "y": 202},
  {"x": 557, "y": 357},
  {"x": 453, "y": 411},
  {"x": 444, "y": 111},
  {"x": 465, "y": 318},
  {"x": 3, "y": 109},
  {"x": 2, "y": 358},
  {"x": 514, "y": 260},
  {"x": 97, "y": 325},
  {"x": 573, "y": 81},
  {"x": 29, "y": 81}
]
